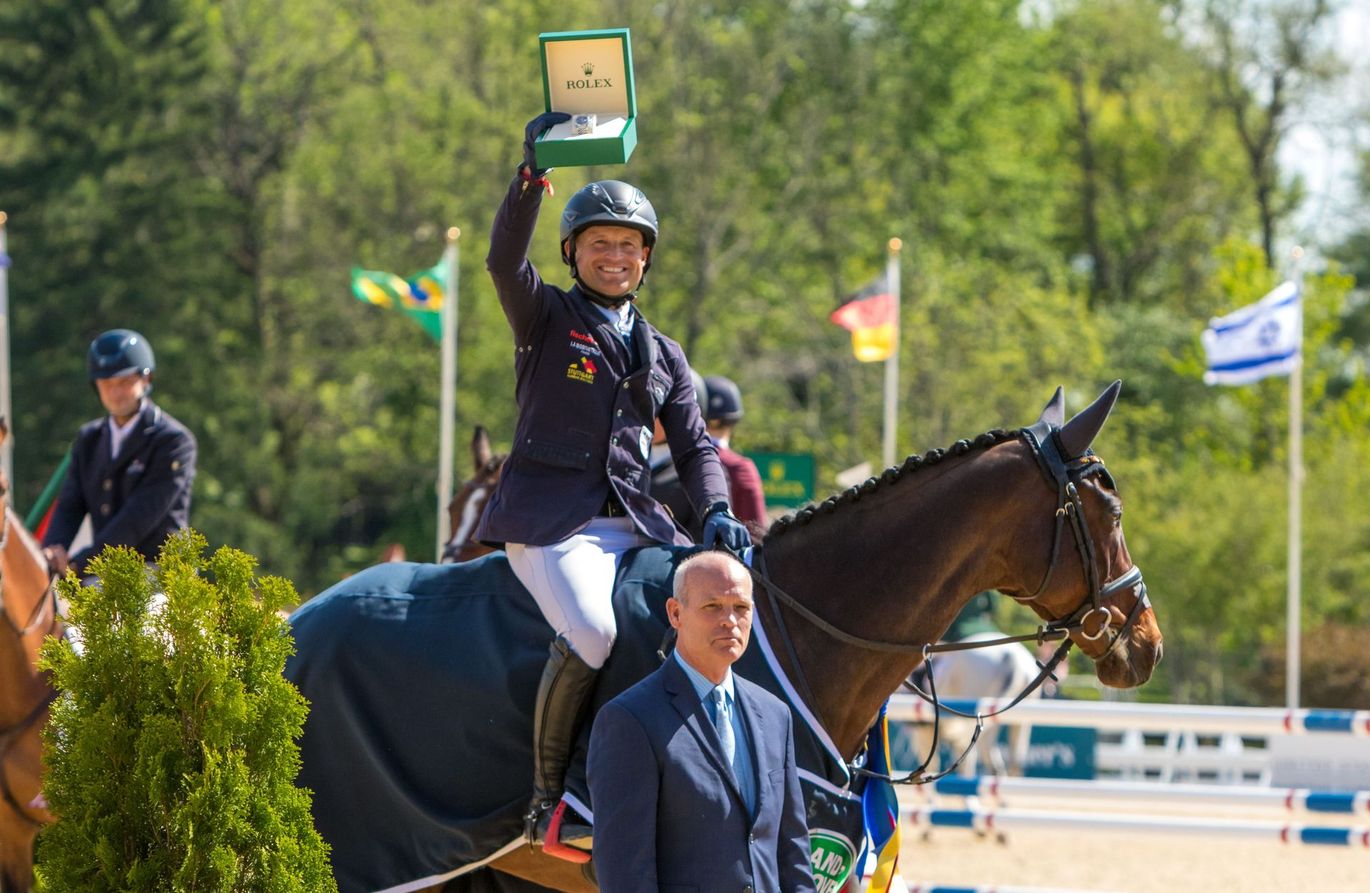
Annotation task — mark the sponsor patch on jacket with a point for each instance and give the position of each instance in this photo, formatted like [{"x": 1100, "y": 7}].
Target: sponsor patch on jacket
[
  {"x": 585, "y": 343},
  {"x": 583, "y": 369}
]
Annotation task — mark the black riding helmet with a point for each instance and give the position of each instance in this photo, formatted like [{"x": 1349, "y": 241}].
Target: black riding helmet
[
  {"x": 119, "y": 352},
  {"x": 606, "y": 203},
  {"x": 725, "y": 400}
]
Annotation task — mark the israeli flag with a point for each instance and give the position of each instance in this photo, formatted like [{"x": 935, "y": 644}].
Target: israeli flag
[{"x": 1261, "y": 339}]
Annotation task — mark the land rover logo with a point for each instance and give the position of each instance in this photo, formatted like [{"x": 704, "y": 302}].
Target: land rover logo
[{"x": 831, "y": 856}]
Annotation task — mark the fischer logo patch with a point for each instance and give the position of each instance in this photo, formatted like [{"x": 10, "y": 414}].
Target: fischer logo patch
[
  {"x": 583, "y": 369},
  {"x": 584, "y": 343}
]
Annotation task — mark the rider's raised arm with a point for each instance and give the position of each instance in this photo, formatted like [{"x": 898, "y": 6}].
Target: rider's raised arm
[{"x": 517, "y": 283}]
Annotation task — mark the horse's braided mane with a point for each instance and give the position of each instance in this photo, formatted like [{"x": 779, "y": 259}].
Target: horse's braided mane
[{"x": 890, "y": 475}]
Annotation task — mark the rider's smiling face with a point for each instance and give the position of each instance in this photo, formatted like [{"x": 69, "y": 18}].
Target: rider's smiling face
[{"x": 611, "y": 259}]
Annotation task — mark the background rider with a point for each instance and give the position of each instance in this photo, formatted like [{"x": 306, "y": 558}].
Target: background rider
[{"x": 131, "y": 470}]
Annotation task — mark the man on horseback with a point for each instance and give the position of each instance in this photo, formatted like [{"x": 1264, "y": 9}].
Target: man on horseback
[
  {"x": 592, "y": 376},
  {"x": 131, "y": 470}
]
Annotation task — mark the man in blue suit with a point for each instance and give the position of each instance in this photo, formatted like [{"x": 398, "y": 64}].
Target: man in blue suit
[{"x": 692, "y": 773}]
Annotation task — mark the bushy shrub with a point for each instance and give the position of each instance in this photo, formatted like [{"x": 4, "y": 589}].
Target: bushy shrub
[{"x": 171, "y": 754}]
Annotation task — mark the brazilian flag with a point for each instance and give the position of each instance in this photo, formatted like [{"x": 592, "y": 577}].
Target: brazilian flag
[{"x": 420, "y": 296}]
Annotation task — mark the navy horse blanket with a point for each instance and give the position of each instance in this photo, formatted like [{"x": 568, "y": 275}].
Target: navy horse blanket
[{"x": 421, "y": 680}]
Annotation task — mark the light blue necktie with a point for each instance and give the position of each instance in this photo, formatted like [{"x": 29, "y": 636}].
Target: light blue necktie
[{"x": 723, "y": 724}]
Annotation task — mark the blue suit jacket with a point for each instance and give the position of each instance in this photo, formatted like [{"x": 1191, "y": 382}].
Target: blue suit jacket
[
  {"x": 136, "y": 499},
  {"x": 586, "y": 406},
  {"x": 668, "y": 813}
]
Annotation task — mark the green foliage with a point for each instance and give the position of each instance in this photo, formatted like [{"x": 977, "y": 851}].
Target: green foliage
[
  {"x": 1078, "y": 184},
  {"x": 171, "y": 752},
  {"x": 1336, "y": 668}
]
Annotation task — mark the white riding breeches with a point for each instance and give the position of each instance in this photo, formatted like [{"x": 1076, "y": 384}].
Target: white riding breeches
[{"x": 573, "y": 581}]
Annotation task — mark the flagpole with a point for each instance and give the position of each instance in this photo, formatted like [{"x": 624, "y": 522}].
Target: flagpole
[
  {"x": 1294, "y": 598},
  {"x": 448, "y": 403},
  {"x": 892, "y": 362},
  {"x": 7, "y": 448}
]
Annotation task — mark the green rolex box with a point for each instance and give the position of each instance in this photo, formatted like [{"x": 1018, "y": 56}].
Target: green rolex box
[{"x": 589, "y": 75}]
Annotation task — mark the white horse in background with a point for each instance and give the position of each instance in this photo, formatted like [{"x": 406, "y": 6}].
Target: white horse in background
[{"x": 995, "y": 671}]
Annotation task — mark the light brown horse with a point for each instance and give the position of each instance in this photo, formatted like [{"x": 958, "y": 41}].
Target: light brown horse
[
  {"x": 27, "y": 616},
  {"x": 464, "y": 510},
  {"x": 864, "y": 580}
]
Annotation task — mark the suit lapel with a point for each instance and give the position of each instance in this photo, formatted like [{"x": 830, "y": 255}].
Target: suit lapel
[
  {"x": 644, "y": 342},
  {"x": 696, "y": 717},
  {"x": 610, "y": 343},
  {"x": 751, "y": 718},
  {"x": 102, "y": 458}
]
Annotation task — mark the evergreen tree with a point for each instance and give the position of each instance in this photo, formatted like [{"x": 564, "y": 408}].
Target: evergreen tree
[{"x": 171, "y": 753}]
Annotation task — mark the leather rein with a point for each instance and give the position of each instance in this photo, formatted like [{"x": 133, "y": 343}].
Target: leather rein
[{"x": 1062, "y": 475}]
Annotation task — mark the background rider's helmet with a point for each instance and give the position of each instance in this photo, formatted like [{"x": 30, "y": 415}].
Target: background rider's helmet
[
  {"x": 607, "y": 203},
  {"x": 725, "y": 400},
  {"x": 701, "y": 392},
  {"x": 119, "y": 352}
]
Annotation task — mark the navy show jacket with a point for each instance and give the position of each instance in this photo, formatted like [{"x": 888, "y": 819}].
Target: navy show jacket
[
  {"x": 136, "y": 498},
  {"x": 586, "y": 405}
]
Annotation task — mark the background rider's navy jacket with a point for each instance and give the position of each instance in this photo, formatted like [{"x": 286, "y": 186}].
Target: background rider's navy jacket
[
  {"x": 135, "y": 499},
  {"x": 586, "y": 406}
]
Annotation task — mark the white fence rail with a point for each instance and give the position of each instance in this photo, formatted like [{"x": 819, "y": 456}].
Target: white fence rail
[
  {"x": 989, "y": 821},
  {"x": 1290, "y": 800},
  {"x": 1117, "y": 716}
]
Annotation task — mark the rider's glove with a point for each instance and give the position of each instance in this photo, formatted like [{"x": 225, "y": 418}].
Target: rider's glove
[
  {"x": 721, "y": 528},
  {"x": 536, "y": 127}
]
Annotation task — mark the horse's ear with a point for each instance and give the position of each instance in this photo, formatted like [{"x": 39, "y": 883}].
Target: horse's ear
[
  {"x": 1055, "y": 411},
  {"x": 1078, "y": 433},
  {"x": 480, "y": 447}
]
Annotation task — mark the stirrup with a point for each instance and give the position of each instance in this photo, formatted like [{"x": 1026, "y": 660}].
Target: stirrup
[
  {"x": 551, "y": 841},
  {"x": 533, "y": 818}
]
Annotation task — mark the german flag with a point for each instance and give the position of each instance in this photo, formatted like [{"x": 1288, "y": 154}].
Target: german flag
[{"x": 872, "y": 317}]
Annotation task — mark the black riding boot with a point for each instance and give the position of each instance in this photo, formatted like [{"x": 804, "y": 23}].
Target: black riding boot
[{"x": 562, "y": 693}]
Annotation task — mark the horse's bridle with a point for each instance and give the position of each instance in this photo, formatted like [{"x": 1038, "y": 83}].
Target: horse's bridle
[{"x": 1063, "y": 475}]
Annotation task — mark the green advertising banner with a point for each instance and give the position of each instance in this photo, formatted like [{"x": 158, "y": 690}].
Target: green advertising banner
[{"x": 786, "y": 478}]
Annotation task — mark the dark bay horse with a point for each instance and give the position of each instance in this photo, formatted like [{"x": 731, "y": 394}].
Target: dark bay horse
[
  {"x": 27, "y": 616},
  {"x": 856, "y": 586},
  {"x": 464, "y": 510}
]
